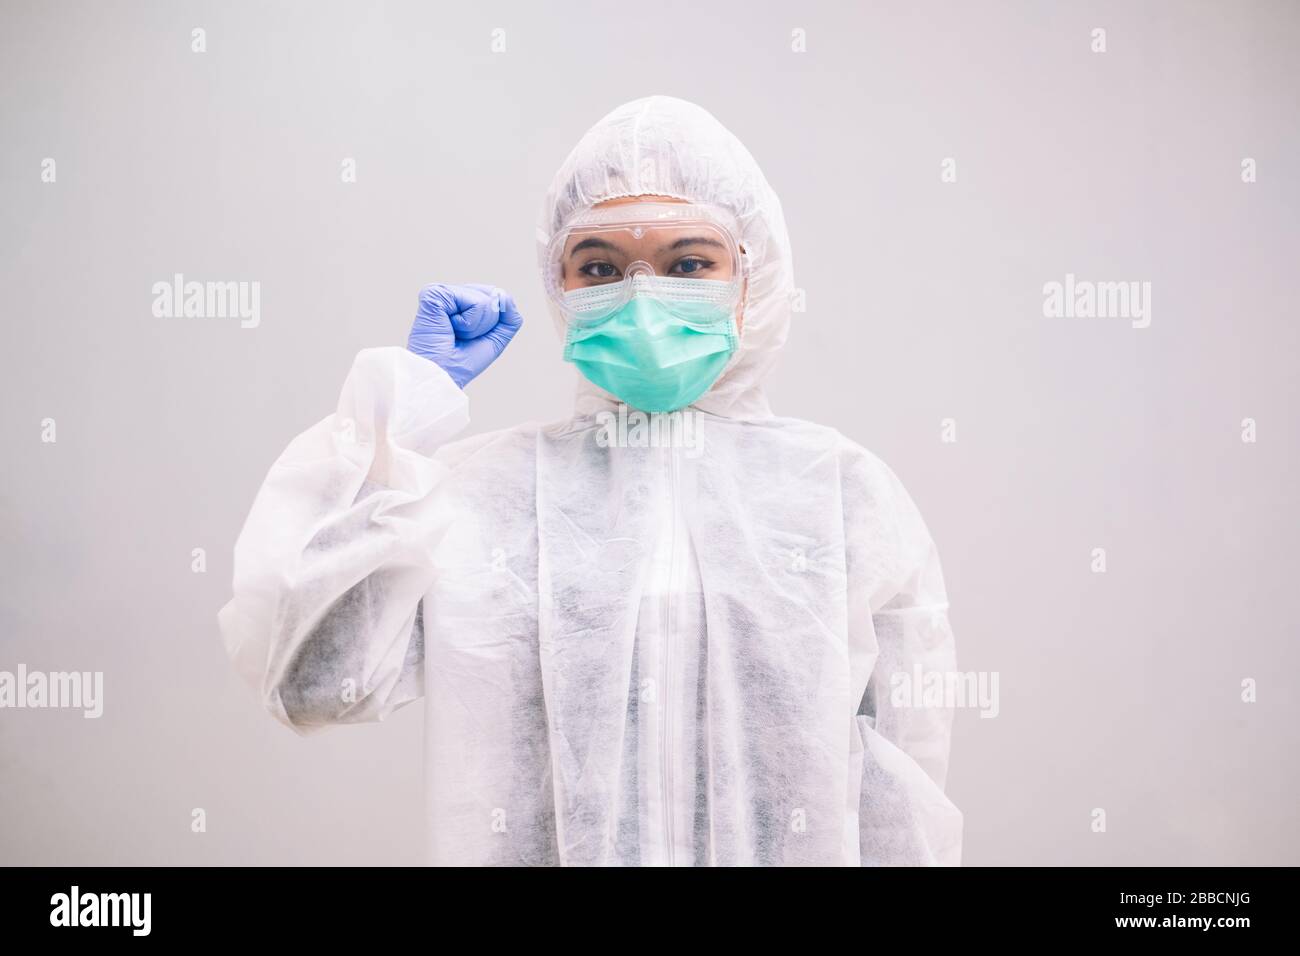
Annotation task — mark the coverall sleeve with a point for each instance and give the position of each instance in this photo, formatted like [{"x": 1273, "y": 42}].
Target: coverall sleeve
[
  {"x": 337, "y": 552},
  {"x": 904, "y": 815}
]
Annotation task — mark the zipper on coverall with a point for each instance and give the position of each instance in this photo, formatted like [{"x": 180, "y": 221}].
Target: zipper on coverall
[{"x": 666, "y": 646}]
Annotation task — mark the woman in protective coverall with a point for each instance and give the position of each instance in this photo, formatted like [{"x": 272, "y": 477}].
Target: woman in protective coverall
[{"x": 631, "y": 651}]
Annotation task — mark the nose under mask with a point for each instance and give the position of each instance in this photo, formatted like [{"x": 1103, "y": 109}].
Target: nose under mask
[{"x": 654, "y": 356}]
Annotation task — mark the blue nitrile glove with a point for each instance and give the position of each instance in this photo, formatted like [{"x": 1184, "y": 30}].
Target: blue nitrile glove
[{"x": 463, "y": 328}]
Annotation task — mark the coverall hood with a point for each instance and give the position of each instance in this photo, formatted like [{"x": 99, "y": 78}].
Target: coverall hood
[{"x": 664, "y": 146}]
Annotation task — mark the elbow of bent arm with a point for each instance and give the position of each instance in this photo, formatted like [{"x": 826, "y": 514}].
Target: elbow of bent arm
[
  {"x": 354, "y": 666},
  {"x": 358, "y": 662}
]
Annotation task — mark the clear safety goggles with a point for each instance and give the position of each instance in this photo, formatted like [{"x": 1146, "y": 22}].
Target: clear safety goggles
[{"x": 685, "y": 255}]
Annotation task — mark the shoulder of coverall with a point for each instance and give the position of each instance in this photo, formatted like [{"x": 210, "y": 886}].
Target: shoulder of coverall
[
  {"x": 888, "y": 537},
  {"x": 514, "y": 439}
]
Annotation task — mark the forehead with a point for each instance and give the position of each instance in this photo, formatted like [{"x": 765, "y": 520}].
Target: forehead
[
  {"x": 634, "y": 221},
  {"x": 657, "y": 238},
  {"x": 632, "y": 200}
]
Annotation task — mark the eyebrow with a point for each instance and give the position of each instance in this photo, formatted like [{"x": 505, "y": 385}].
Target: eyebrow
[
  {"x": 596, "y": 243},
  {"x": 692, "y": 241}
]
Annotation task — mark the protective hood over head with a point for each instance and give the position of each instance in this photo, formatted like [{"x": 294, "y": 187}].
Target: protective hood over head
[{"x": 662, "y": 146}]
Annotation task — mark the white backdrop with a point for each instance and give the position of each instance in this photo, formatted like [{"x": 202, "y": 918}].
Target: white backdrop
[{"x": 1119, "y": 691}]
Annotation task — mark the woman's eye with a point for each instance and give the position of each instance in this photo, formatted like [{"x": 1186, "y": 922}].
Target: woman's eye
[
  {"x": 599, "y": 270},
  {"x": 692, "y": 265}
]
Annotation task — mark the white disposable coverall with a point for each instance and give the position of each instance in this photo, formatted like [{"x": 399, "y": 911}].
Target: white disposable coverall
[{"x": 628, "y": 655}]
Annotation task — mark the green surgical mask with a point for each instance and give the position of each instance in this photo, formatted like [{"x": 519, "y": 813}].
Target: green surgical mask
[{"x": 654, "y": 355}]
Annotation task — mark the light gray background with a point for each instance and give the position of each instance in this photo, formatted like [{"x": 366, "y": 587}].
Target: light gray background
[{"x": 1119, "y": 691}]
